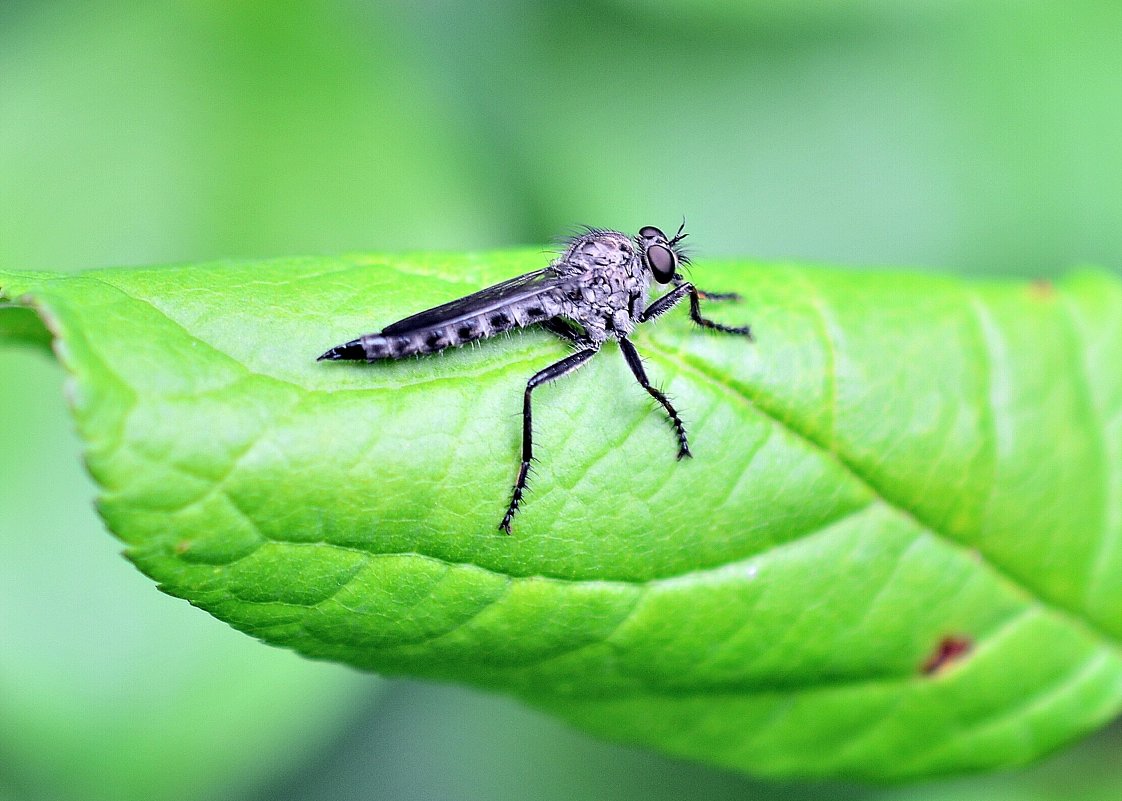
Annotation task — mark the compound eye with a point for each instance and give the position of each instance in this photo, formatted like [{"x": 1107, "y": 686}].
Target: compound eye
[
  {"x": 662, "y": 262},
  {"x": 650, "y": 232}
]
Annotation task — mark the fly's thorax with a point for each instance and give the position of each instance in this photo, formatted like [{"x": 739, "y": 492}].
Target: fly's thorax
[
  {"x": 597, "y": 250},
  {"x": 611, "y": 284}
]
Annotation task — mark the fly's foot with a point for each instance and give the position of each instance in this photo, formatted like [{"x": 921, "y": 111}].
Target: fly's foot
[
  {"x": 740, "y": 330},
  {"x": 515, "y": 497},
  {"x": 680, "y": 431}
]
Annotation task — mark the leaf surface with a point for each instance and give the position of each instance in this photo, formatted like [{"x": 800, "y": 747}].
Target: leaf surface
[{"x": 897, "y": 552}]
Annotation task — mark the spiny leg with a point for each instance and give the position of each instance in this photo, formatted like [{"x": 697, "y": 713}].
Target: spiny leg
[
  {"x": 636, "y": 365},
  {"x": 665, "y": 303},
  {"x": 675, "y": 296},
  {"x": 551, "y": 373},
  {"x": 695, "y": 315}
]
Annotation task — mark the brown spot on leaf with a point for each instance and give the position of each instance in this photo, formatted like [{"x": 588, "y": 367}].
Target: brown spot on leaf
[
  {"x": 1042, "y": 289},
  {"x": 949, "y": 650},
  {"x": 183, "y": 546}
]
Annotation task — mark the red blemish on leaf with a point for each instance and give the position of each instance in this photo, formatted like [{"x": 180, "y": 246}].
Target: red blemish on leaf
[
  {"x": 950, "y": 649},
  {"x": 183, "y": 546}
]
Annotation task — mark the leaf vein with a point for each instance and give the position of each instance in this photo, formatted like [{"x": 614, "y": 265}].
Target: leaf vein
[{"x": 700, "y": 371}]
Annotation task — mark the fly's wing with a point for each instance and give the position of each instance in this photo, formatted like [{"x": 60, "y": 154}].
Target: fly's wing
[{"x": 512, "y": 292}]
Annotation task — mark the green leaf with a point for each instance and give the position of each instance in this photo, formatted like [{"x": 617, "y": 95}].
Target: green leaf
[
  {"x": 106, "y": 691},
  {"x": 21, "y": 326},
  {"x": 901, "y": 463}
]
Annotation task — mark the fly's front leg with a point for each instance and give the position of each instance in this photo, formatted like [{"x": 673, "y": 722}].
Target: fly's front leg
[
  {"x": 718, "y": 295},
  {"x": 732, "y": 296},
  {"x": 551, "y": 373},
  {"x": 665, "y": 303},
  {"x": 675, "y": 296},
  {"x": 636, "y": 365},
  {"x": 695, "y": 315}
]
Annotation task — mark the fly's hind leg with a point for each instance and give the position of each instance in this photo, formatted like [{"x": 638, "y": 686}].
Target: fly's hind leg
[
  {"x": 567, "y": 331},
  {"x": 636, "y": 365},
  {"x": 551, "y": 373}
]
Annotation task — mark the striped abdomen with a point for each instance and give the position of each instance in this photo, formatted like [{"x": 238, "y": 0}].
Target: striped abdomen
[{"x": 432, "y": 331}]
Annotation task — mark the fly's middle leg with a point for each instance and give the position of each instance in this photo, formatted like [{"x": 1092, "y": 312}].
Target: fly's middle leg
[
  {"x": 551, "y": 373},
  {"x": 636, "y": 365}
]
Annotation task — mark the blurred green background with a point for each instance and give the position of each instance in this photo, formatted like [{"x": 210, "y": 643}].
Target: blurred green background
[{"x": 981, "y": 137}]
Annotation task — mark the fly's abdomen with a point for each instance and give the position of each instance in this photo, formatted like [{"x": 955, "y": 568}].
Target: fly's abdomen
[{"x": 465, "y": 328}]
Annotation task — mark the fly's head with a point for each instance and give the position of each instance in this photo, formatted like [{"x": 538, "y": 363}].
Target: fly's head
[{"x": 661, "y": 254}]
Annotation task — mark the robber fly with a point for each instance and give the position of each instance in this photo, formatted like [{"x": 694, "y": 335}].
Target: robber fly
[{"x": 594, "y": 291}]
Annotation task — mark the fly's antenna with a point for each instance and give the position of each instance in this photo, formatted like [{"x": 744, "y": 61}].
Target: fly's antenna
[
  {"x": 683, "y": 254},
  {"x": 678, "y": 237}
]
